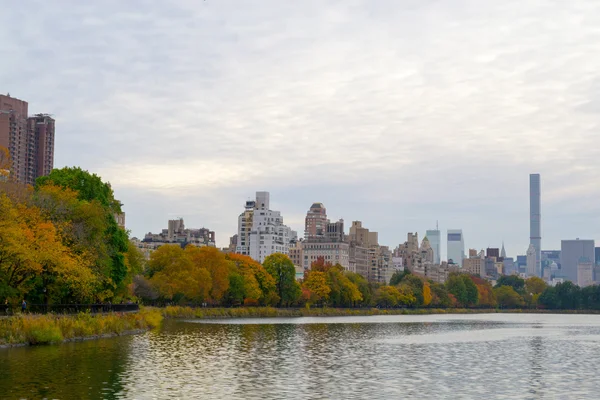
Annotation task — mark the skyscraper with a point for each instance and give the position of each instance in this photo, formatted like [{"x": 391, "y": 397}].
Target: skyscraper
[
  {"x": 456, "y": 246},
  {"x": 435, "y": 241},
  {"x": 571, "y": 252},
  {"x": 29, "y": 140},
  {"x": 535, "y": 233},
  {"x": 531, "y": 261}
]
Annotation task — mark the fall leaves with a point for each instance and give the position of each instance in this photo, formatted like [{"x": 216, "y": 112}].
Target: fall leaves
[
  {"x": 204, "y": 274},
  {"x": 60, "y": 242}
]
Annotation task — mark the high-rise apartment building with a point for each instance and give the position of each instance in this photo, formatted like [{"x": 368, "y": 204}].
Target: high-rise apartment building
[
  {"x": 315, "y": 222},
  {"x": 571, "y": 252},
  {"x": 456, "y": 246},
  {"x": 435, "y": 241},
  {"x": 535, "y": 232},
  {"x": 29, "y": 140},
  {"x": 261, "y": 231}
]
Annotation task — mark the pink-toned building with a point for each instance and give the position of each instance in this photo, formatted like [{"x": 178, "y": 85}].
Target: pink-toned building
[{"x": 29, "y": 140}]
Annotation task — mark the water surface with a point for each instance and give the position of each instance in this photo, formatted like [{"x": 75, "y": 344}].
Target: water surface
[{"x": 523, "y": 356}]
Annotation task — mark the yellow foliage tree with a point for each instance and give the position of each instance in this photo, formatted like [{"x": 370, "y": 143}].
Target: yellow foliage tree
[
  {"x": 427, "y": 297},
  {"x": 214, "y": 261},
  {"x": 316, "y": 283}
]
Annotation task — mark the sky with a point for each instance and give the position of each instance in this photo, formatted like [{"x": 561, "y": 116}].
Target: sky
[{"x": 395, "y": 113}]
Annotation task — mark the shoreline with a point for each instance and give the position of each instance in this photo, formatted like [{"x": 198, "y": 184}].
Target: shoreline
[
  {"x": 43, "y": 329},
  {"x": 178, "y": 312}
]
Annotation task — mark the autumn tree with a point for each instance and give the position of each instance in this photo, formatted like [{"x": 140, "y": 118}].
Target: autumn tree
[
  {"x": 456, "y": 286},
  {"x": 5, "y": 164},
  {"x": 259, "y": 285},
  {"x": 363, "y": 287},
  {"x": 514, "y": 281},
  {"x": 344, "y": 292},
  {"x": 316, "y": 283},
  {"x": 282, "y": 270},
  {"x": 32, "y": 256},
  {"x": 95, "y": 212},
  {"x": 386, "y": 296},
  {"x": 214, "y": 261},
  {"x": 508, "y": 297}
]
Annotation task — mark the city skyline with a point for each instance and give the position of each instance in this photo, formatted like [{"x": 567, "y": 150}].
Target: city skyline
[{"x": 378, "y": 112}]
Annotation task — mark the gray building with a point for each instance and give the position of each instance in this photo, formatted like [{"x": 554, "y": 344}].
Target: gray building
[
  {"x": 435, "y": 241},
  {"x": 535, "y": 232},
  {"x": 571, "y": 251}
]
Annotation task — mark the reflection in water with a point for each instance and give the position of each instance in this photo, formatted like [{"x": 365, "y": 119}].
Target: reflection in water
[{"x": 483, "y": 356}]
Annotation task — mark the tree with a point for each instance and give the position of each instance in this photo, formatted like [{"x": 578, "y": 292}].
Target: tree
[
  {"x": 363, "y": 287},
  {"x": 514, "y": 281},
  {"x": 387, "y": 296},
  {"x": 316, "y": 283},
  {"x": 439, "y": 295},
  {"x": 508, "y": 297},
  {"x": 472, "y": 294},
  {"x": 456, "y": 286},
  {"x": 427, "y": 297},
  {"x": 214, "y": 261},
  {"x": 5, "y": 164},
  {"x": 281, "y": 268},
  {"x": 176, "y": 275},
  {"x": 259, "y": 285},
  {"x": 97, "y": 204},
  {"x": 535, "y": 285},
  {"x": 415, "y": 284},
  {"x": 398, "y": 276}
]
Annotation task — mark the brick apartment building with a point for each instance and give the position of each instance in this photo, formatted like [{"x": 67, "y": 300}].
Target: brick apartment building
[{"x": 29, "y": 140}]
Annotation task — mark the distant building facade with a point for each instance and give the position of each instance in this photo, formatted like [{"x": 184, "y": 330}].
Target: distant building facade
[
  {"x": 571, "y": 252},
  {"x": 535, "y": 217},
  {"x": 456, "y": 246},
  {"x": 435, "y": 241},
  {"x": 177, "y": 233},
  {"x": 261, "y": 231},
  {"x": 29, "y": 140}
]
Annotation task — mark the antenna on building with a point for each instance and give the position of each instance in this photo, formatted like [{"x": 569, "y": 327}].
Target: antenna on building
[{"x": 437, "y": 228}]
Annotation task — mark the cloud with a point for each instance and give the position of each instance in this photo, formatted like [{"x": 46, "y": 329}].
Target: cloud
[{"x": 396, "y": 113}]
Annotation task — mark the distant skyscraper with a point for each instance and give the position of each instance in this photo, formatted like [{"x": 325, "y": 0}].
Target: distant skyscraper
[
  {"x": 535, "y": 232},
  {"x": 456, "y": 246},
  {"x": 435, "y": 241},
  {"x": 503, "y": 252},
  {"x": 531, "y": 261},
  {"x": 571, "y": 252},
  {"x": 492, "y": 252}
]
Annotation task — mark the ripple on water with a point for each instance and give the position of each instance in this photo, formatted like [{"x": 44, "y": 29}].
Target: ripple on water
[{"x": 474, "y": 356}]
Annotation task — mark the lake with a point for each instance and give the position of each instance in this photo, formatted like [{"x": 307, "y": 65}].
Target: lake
[{"x": 516, "y": 356}]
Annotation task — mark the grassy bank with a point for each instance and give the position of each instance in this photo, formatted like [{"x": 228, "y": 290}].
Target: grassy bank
[
  {"x": 43, "y": 329},
  {"x": 262, "y": 312}
]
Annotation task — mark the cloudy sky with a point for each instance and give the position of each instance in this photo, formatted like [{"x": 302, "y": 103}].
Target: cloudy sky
[{"x": 396, "y": 113}]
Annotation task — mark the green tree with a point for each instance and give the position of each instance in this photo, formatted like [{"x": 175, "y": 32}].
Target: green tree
[
  {"x": 472, "y": 294},
  {"x": 113, "y": 241},
  {"x": 456, "y": 286},
  {"x": 508, "y": 297},
  {"x": 387, "y": 296},
  {"x": 535, "y": 285},
  {"x": 363, "y": 287},
  {"x": 514, "y": 281},
  {"x": 398, "y": 276},
  {"x": 281, "y": 268}
]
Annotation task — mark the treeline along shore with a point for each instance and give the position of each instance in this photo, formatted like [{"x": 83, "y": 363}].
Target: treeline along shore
[{"x": 60, "y": 243}]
